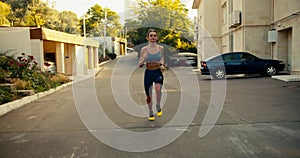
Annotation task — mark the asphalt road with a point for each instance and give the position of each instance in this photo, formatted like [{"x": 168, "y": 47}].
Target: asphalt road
[{"x": 100, "y": 117}]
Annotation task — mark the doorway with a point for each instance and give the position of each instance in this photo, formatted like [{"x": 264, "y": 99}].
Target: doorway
[{"x": 285, "y": 48}]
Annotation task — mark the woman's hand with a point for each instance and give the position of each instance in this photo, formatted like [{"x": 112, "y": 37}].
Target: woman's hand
[{"x": 162, "y": 68}]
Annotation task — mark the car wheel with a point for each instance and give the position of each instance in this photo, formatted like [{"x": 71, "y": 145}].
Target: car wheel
[
  {"x": 219, "y": 73},
  {"x": 270, "y": 70}
]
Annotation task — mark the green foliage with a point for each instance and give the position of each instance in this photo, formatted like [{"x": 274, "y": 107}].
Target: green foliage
[
  {"x": 5, "y": 95},
  {"x": 37, "y": 13},
  {"x": 95, "y": 22},
  {"x": 37, "y": 81},
  {"x": 19, "y": 10},
  {"x": 5, "y": 12},
  {"x": 65, "y": 21},
  {"x": 6, "y": 65},
  {"x": 21, "y": 71},
  {"x": 169, "y": 17},
  {"x": 53, "y": 20},
  {"x": 22, "y": 67},
  {"x": 69, "y": 22}
]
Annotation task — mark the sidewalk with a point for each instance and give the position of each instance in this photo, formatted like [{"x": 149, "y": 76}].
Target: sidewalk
[
  {"x": 287, "y": 78},
  {"x": 5, "y": 108}
]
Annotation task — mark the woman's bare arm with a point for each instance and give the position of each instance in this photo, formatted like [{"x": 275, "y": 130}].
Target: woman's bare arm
[
  {"x": 162, "y": 60},
  {"x": 142, "y": 57}
]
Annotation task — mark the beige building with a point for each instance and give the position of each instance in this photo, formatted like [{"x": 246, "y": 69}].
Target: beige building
[
  {"x": 266, "y": 28},
  {"x": 73, "y": 55},
  {"x": 115, "y": 45}
]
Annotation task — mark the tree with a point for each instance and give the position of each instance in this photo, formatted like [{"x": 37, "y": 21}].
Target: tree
[
  {"x": 65, "y": 21},
  {"x": 36, "y": 14},
  {"x": 19, "y": 9},
  {"x": 53, "y": 20},
  {"x": 169, "y": 17},
  {"x": 132, "y": 26},
  {"x": 27, "y": 12},
  {"x": 95, "y": 22},
  {"x": 4, "y": 14},
  {"x": 68, "y": 22}
]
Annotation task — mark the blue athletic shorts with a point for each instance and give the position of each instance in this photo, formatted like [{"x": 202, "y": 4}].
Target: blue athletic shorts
[{"x": 152, "y": 76}]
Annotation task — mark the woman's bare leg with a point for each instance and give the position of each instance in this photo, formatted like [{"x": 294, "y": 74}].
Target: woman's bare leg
[
  {"x": 149, "y": 101},
  {"x": 158, "y": 87}
]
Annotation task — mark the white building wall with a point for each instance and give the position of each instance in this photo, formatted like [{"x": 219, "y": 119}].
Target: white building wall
[
  {"x": 286, "y": 22},
  {"x": 90, "y": 58},
  {"x": 117, "y": 48},
  {"x": 209, "y": 31},
  {"x": 251, "y": 34},
  {"x": 284, "y": 8},
  {"x": 257, "y": 18},
  {"x": 37, "y": 51},
  {"x": 256, "y": 41},
  {"x": 80, "y": 61},
  {"x": 296, "y": 47},
  {"x": 96, "y": 57},
  {"x": 60, "y": 55},
  {"x": 18, "y": 40},
  {"x": 15, "y": 39}
]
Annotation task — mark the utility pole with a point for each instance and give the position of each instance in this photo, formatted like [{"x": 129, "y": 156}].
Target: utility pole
[
  {"x": 84, "y": 17},
  {"x": 230, "y": 29},
  {"x": 84, "y": 27},
  {"x": 104, "y": 32}
]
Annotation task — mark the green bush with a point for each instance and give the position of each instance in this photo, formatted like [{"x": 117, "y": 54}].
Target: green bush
[
  {"x": 21, "y": 71},
  {"x": 5, "y": 95},
  {"x": 38, "y": 81},
  {"x": 5, "y": 67}
]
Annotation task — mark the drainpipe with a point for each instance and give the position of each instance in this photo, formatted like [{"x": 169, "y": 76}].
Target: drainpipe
[
  {"x": 230, "y": 29},
  {"x": 243, "y": 27},
  {"x": 272, "y": 26}
]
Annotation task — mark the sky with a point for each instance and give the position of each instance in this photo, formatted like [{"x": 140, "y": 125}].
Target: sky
[{"x": 81, "y": 6}]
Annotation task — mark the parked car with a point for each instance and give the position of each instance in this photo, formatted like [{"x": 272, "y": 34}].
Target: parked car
[
  {"x": 183, "y": 59},
  {"x": 129, "y": 50},
  {"x": 49, "y": 66},
  {"x": 239, "y": 63}
]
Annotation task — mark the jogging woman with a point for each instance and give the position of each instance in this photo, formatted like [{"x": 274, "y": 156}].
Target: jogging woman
[{"x": 153, "y": 56}]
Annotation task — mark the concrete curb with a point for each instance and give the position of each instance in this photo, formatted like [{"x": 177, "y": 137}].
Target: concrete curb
[
  {"x": 288, "y": 78},
  {"x": 7, "y": 107}
]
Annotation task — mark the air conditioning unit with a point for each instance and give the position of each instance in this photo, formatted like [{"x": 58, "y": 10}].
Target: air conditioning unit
[{"x": 235, "y": 18}]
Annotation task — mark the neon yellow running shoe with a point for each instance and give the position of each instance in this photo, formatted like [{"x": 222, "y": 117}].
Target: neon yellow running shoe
[
  {"x": 151, "y": 118},
  {"x": 159, "y": 113}
]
